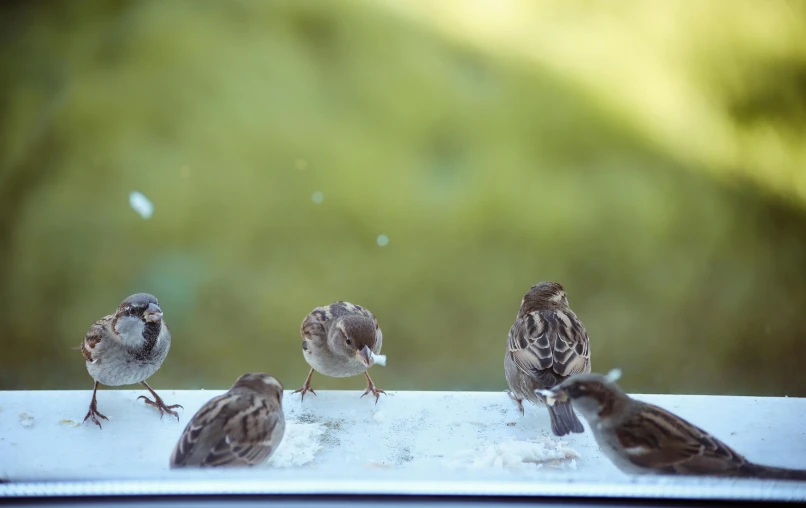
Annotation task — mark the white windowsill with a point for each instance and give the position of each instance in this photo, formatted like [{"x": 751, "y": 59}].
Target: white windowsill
[{"x": 336, "y": 441}]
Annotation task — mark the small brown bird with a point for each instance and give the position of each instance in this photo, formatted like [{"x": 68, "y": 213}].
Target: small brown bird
[
  {"x": 546, "y": 344},
  {"x": 341, "y": 340},
  {"x": 641, "y": 438},
  {"x": 242, "y": 427},
  {"x": 128, "y": 347}
]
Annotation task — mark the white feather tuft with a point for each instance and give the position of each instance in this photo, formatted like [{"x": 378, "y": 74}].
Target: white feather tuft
[
  {"x": 379, "y": 359},
  {"x": 614, "y": 375}
]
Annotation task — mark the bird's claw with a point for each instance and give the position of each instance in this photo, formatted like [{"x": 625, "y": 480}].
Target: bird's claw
[
  {"x": 160, "y": 405},
  {"x": 93, "y": 414},
  {"x": 517, "y": 400},
  {"x": 375, "y": 391},
  {"x": 305, "y": 389}
]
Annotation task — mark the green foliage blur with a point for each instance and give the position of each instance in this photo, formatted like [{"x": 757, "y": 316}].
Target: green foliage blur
[{"x": 648, "y": 155}]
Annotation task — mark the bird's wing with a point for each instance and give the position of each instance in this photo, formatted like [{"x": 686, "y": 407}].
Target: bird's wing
[
  {"x": 656, "y": 439},
  {"x": 314, "y": 326},
  {"x": 100, "y": 330},
  {"x": 231, "y": 429},
  {"x": 549, "y": 345},
  {"x": 254, "y": 442}
]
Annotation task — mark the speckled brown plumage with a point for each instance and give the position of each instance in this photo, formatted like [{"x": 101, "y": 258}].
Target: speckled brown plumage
[
  {"x": 339, "y": 340},
  {"x": 242, "y": 427},
  {"x": 546, "y": 344},
  {"x": 641, "y": 438},
  {"x": 127, "y": 347}
]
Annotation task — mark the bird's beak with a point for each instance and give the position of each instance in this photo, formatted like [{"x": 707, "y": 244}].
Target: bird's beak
[
  {"x": 554, "y": 396},
  {"x": 364, "y": 355},
  {"x": 153, "y": 313}
]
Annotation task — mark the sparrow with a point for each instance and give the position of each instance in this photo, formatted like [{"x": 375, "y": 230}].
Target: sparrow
[
  {"x": 641, "y": 438},
  {"x": 341, "y": 340},
  {"x": 546, "y": 344},
  {"x": 242, "y": 427},
  {"x": 127, "y": 347}
]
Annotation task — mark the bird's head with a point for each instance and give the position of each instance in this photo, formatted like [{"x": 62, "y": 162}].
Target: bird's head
[
  {"x": 355, "y": 336},
  {"x": 542, "y": 296},
  {"x": 591, "y": 394},
  {"x": 137, "y": 315},
  {"x": 261, "y": 383}
]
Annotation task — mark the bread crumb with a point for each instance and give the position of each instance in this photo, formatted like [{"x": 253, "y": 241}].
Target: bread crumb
[{"x": 26, "y": 420}]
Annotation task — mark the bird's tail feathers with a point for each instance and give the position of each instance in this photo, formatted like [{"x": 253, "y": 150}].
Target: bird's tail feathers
[
  {"x": 563, "y": 419},
  {"x": 779, "y": 473}
]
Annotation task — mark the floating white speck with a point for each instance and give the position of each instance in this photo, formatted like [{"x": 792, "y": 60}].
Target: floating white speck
[
  {"x": 299, "y": 445},
  {"x": 379, "y": 417},
  {"x": 382, "y": 240},
  {"x": 379, "y": 359},
  {"x": 317, "y": 197},
  {"x": 141, "y": 204},
  {"x": 614, "y": 375},
  {"x": 26, "y": 420}
]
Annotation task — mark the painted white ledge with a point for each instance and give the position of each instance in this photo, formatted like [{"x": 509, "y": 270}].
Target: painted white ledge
[{"x": 425, "y": 441}]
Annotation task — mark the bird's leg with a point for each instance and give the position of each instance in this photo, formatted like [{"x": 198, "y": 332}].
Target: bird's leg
[
  {"x": 158, "y": 403},
  {"x": 306, "y": 387},
  {"x": 516, "y": 399},
  {"x": 93, "y": 412},
  {"x": 371, "y": 388}
]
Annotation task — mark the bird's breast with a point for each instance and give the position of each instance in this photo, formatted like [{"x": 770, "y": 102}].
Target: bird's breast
[{"x": 329, "y": 364}]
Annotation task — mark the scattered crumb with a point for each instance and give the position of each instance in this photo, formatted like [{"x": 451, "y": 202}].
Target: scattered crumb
[
  {"x": 308, "y": 418},
  {"x": 511, "y": 424},
  {"x": 404, "y": 455},
  {"x": 299, "y": 445},
  {"x": 378, "y": 417},
  {"x": 333, "y": 424},
  {"x": 69, "y": 422},
  {"x": 515, "y": 455},
  {"x": 26, "y": 420},
  {"x": 381, "y": 465}
]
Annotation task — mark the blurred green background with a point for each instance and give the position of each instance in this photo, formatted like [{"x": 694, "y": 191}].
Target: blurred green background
[{"x": 649, "y": 156}]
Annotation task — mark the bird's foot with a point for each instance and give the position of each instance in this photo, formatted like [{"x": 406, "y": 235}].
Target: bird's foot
[
  {"x": 305, "y": 389},
  {"x": 371, "y": 389},
  {"x": 93, "y": 414},
  {"x": 517, "y": 400},
  {"x": 160, "y": 405}
]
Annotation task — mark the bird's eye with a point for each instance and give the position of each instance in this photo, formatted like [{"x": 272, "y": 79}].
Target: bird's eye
[{"x": 348, "y": 341}]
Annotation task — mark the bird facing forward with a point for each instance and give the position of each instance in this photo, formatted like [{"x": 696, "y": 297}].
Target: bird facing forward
[
  {"x": 242, "y": 427},
  {"x": 546, "y": 344},
  {"x": 341, "y": 340},
  {"x": 641, "y": 438},
  {"x": 127, "y": 347}
]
